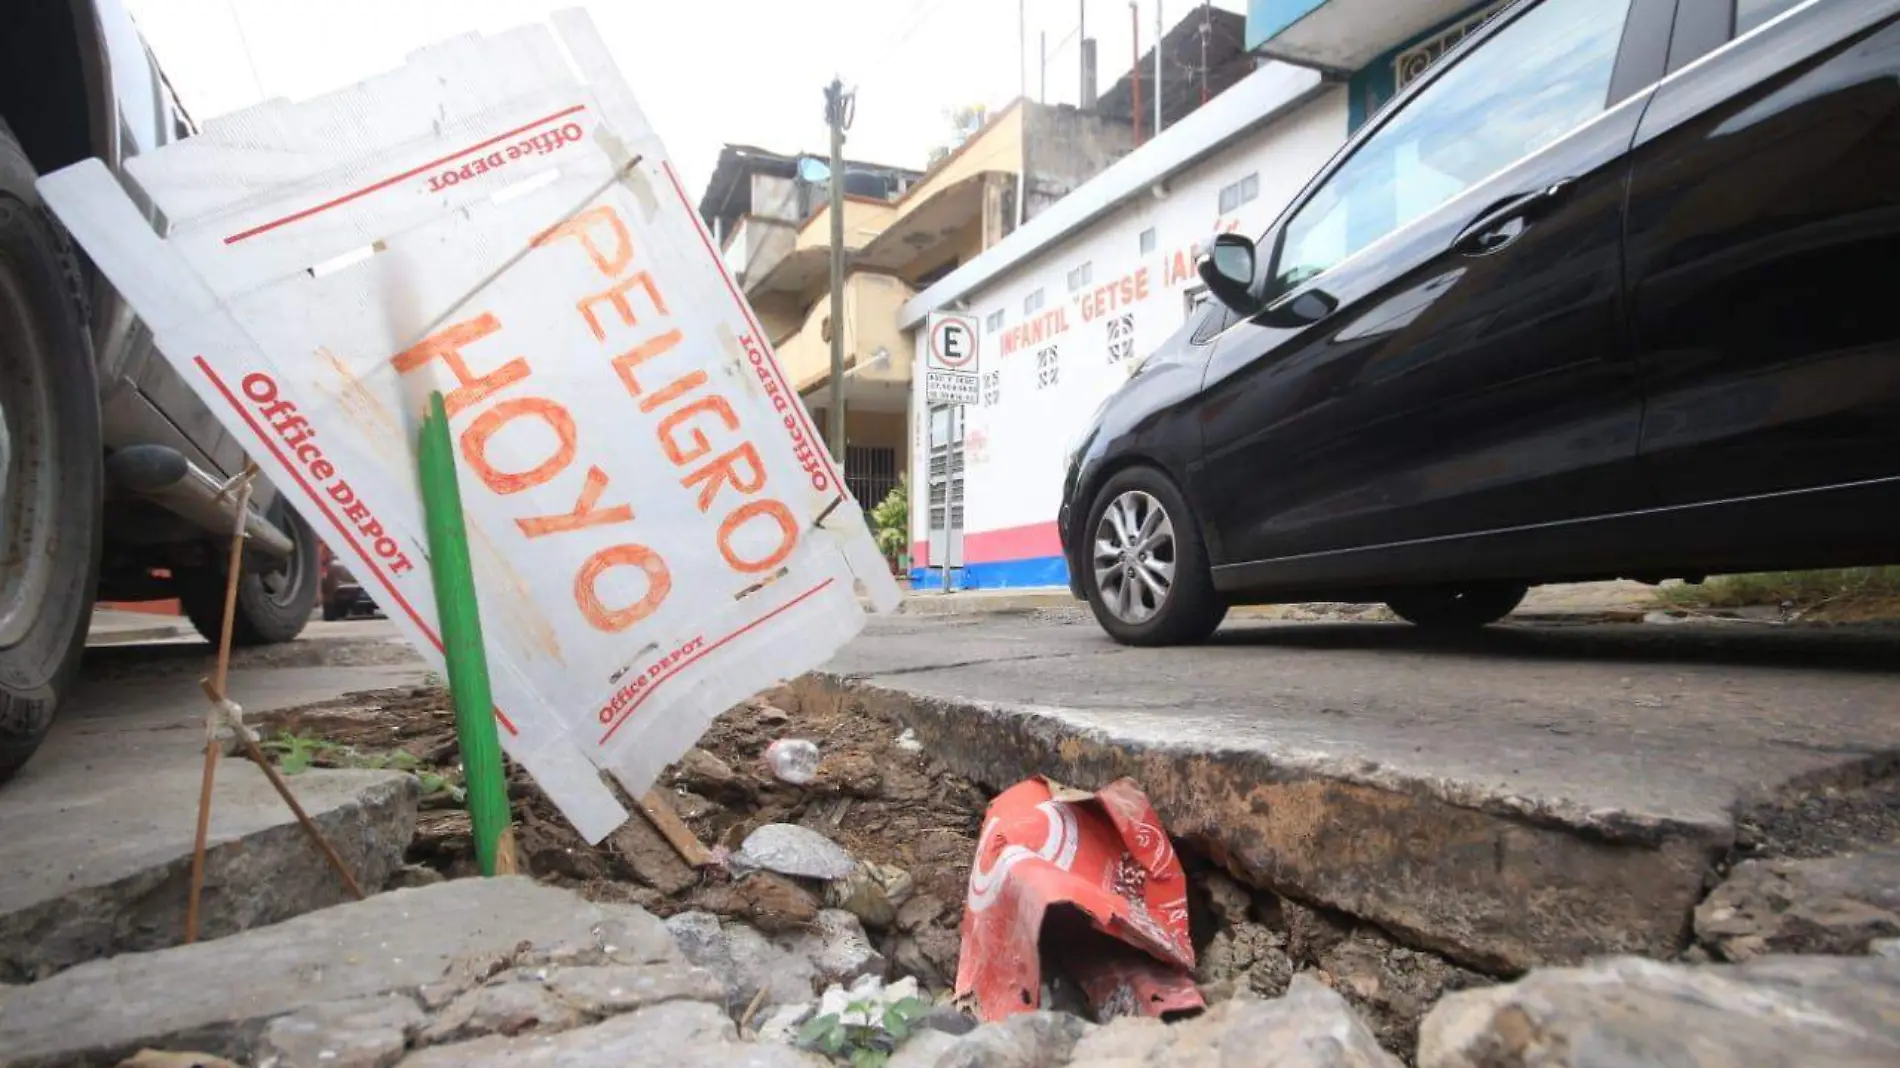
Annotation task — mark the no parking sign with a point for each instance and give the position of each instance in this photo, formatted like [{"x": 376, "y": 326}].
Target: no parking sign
[{"x": 950, "y": 359}]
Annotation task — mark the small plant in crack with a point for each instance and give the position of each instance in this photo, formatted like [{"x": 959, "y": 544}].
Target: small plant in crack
[
  {"x": 866, "y": 1033},
  {"x": 297, "y": 753}
]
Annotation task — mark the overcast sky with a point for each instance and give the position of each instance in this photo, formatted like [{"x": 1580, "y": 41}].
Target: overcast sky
[{"x": 706, "y": 71}]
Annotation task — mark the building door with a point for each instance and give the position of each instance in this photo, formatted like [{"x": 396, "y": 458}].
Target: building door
[{"x": 945, "y": 473}]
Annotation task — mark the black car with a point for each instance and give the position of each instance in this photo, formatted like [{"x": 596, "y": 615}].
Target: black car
[{"x": 1612, "y": 291}]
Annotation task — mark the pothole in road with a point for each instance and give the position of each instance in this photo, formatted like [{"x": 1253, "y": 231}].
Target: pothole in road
[
  {"x": 906, "y": 817},
  {"x": 889, "y": 805},
  {"x": 910, "y": 823}
]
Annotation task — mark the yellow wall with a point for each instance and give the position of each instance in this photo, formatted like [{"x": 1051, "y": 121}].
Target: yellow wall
[
  {"x": 779, "y": 314},
  {"x": 871, "y": 302},
  {"x": 870, "y": 306},
  {"x": 863, "y": 220},
  {"x": 997, "y": 147},
  {"x": 964, "y": 247}
]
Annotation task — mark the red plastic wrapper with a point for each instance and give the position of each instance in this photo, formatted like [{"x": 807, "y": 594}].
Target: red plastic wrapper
[{"x": 1089, "y": 880}]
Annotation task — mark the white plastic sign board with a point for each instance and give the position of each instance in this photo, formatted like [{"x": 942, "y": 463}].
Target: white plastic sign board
[
  {"x": 656, "y": 529},
  {"x": 950, "y": 359}
]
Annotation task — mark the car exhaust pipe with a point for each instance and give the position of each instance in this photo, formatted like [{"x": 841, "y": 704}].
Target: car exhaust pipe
[{"x": 163, "y": 476}]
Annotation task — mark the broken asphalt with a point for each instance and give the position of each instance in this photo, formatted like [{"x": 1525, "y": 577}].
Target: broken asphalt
[{"x": 1519, "y": 796}]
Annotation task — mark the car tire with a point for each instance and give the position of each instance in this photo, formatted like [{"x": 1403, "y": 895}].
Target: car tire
[
  {"x": 52, "y": 475},
  {"x": 1460, "y": 607},
  {"x": 271, "y": 607},
  {"x": 1153, "y": 588}
]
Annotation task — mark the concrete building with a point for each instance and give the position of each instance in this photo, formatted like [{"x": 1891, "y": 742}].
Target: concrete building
[
  {"x": 899, "y": 238},
  {"x": 1077, "y": 295}
]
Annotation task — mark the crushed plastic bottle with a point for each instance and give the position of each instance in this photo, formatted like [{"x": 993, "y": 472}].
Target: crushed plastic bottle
[{"x": 793, "y": 760}]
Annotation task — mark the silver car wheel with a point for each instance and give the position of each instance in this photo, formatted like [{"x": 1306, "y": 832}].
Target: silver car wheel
[{"x": 1134, "y": 557}]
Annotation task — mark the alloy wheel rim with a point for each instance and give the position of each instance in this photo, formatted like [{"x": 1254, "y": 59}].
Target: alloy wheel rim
[{"x": 1134, "y": 556}]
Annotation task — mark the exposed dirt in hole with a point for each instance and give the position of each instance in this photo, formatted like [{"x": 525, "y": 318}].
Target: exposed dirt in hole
[
  {"x": 1247, "y": 939},
  {"x": 887, "y": 805},
  {"x": 885, "y": 802}
]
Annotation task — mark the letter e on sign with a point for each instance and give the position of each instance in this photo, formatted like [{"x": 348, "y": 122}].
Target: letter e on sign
[{"x": 950, "y": 362}]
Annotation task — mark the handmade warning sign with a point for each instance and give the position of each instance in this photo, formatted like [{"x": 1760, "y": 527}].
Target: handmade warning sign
[{"x": 656, "y": 529}]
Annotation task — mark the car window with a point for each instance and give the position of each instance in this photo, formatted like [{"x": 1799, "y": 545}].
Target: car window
[
  {"x": 1530, "y": 83},
  {"x": 1752, "y": 13}
]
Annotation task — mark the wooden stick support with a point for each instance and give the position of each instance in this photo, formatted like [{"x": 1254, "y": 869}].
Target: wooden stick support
[
  {"x": 233, "y": 572},
  {"x": 462, "y": 646},
  {"x": 215, "y": 690},
  {"x": 659, "y": 812}
]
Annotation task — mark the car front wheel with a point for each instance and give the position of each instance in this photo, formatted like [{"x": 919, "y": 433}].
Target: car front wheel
[
  {"x": 51, "y": 473},
  {"x": 1145, "y": 567},
  {"x": 1458, "y": 608}
]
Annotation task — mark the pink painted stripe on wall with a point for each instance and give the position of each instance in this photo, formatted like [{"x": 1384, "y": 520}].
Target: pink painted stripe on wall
[
  {"x": 1012, "y": 543},
  {"x": 993, "y": 546}
]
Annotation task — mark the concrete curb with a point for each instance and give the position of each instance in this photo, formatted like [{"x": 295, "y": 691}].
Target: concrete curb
[{"x": 1496, "y": 883}]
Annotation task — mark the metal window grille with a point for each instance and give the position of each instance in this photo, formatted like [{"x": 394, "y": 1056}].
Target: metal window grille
[
  {"x": 1416, "y": 60},
  {"x": 871, "y": 472}
]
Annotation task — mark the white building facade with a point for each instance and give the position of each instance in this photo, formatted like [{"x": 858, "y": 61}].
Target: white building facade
[{"x": 1069, "y": 301}]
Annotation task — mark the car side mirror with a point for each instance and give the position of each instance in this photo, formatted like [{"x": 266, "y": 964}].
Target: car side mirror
[
  {"x": 1301, "y": 309},
  {"x": 1227, "y": 269}
]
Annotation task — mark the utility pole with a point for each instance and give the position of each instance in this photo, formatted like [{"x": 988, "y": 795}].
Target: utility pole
[
  {"x": 1206, "y": 29},
  {"x": 1161, "y": 33},
  {"x": 1086, "y": 98},
  {"x": 839, "y": 108},
  {"x": 1022, "y": 49},
  {"x": 1134, "y": 69}
]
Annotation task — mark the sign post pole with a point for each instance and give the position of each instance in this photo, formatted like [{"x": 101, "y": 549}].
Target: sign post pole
[
  {"x": 952, "y": 365},
  {"x": 462, "y": 648}
]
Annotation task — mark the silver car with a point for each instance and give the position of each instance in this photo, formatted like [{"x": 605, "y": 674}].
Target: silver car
[{"x": 110, "y": 467}]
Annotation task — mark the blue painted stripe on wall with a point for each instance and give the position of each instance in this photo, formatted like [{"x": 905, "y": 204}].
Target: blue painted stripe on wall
[
  {"x": 1266, "y": 18},
  {"x": 998, "y": 575}
]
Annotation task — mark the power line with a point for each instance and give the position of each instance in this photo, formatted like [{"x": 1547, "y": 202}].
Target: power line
[
  {"x": 889, "y": 50},
  {"x": 244, "y": 43}
]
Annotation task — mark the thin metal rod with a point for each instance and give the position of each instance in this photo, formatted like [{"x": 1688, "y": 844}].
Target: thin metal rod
[
  {"x": 1134, "y": 70},
  {"x": 1161, "y": 36},
  {"x": 202, "y": 834},
  {"x": 256, "y": 753}
]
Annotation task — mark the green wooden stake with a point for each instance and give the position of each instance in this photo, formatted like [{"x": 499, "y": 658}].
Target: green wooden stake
[{"x": 462, "y": 647}]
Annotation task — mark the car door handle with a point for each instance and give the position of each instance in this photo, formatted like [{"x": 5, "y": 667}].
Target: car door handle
[{"x": 1505, "y": 221}]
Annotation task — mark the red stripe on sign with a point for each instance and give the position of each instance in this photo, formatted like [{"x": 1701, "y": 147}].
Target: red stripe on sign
[
  {"x": 394, "y": 594},
  {"x": 684, "y": 664},
  {"x": 745, "y": 309},
  {"x": 387, "y": 182}
]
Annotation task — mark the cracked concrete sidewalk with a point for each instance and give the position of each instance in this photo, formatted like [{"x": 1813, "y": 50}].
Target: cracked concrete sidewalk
[{"x": 1517, "y": 796}]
